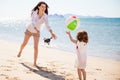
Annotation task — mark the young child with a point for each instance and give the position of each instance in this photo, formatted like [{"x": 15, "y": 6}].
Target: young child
[{"x": 81, "y": 45}]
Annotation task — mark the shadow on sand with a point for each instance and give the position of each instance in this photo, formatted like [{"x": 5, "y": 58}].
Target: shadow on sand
[{"x": 44, "y": 73}]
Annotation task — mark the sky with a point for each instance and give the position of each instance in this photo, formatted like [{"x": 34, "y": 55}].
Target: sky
[{"x": 22, "y": 8}]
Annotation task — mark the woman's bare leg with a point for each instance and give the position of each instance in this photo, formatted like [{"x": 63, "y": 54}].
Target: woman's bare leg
[
  {"x": 36, "y": 42},
  {"x": 26, "y": 38}
]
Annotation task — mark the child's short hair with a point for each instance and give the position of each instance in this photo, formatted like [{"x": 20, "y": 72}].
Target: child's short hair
[{"x": 82, "y": 36}]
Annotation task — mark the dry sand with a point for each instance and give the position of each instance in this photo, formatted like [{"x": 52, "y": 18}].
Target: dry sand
[{"x": 53, "y": 65}]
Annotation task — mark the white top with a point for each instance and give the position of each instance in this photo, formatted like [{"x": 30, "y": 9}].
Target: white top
[
  {"x": 81, "y": 55},
  {"x": 81, "y": 47},
  {"x": 37, "y": 22}
]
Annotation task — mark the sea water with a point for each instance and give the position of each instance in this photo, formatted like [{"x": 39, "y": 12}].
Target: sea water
[{"x": 104, "y": 40}]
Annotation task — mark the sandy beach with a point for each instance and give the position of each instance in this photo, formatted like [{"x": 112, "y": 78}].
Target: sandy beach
[{"x": 53, "y": 65}]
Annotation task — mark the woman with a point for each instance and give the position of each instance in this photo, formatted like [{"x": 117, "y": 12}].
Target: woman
[{"x": 39, "y": 16}]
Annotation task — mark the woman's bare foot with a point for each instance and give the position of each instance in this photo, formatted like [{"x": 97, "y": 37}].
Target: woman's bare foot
[
  {"x": 19, "y": 54},
  {"x": 35, "y": 65}
]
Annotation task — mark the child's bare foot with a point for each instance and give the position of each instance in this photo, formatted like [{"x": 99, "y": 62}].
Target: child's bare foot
[{"x": 19, "y": 54}]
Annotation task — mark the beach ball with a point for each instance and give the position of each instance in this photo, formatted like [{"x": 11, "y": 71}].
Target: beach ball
[{"x": 72, "y": 23}]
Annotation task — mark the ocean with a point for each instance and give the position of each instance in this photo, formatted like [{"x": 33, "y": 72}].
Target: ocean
[{"x": 104, "y": 40}]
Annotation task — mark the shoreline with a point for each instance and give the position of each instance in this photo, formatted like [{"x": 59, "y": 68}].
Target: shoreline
[
  {"x": 72, "y": 52},
  {"x": 53, "y": 65}
]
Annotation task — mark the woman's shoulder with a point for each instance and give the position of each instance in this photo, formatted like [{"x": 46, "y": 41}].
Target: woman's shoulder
[{"x": 34, "y": 12}]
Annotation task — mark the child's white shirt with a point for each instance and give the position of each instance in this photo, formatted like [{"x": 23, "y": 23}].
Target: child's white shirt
[{"x": 81, "y": 58}]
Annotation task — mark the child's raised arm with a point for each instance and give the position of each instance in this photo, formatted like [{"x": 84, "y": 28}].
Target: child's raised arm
[{"x": 70, "y": 37}]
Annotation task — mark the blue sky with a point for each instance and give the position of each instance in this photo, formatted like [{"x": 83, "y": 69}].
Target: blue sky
[{"x": 22, "y": 8}]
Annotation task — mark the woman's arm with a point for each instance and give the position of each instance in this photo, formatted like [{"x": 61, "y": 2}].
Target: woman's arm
[
  {"x": 48, "y": 27},
  {"x": 47, "y": 22},
  {"x": 70, "y": 37}
]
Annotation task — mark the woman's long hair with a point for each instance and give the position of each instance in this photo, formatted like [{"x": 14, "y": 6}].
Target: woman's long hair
[{"x": 39, "y": 4}]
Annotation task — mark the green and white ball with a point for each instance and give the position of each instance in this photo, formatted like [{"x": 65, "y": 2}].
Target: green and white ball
[{"x": 72, "y": 23}]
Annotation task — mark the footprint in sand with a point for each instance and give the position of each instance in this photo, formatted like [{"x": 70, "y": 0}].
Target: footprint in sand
[
  {"x": 10, "y": 60},
  {"x": 3, "y": 75},
  {"x": 7, "y": 70},
  {"x": 63, "y": 72},
  {"x": 28, "y": 72},
  {"x": 91, "y": 73},
  {"x": 13, "y": 78},
  {"x": 69, "y": 77},
  {"x": 5, "y": 66},
  {"x": 98, "y": 69}
]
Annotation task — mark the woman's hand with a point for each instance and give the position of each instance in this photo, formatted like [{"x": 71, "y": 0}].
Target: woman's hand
[{"x": 53, "y": 36}]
